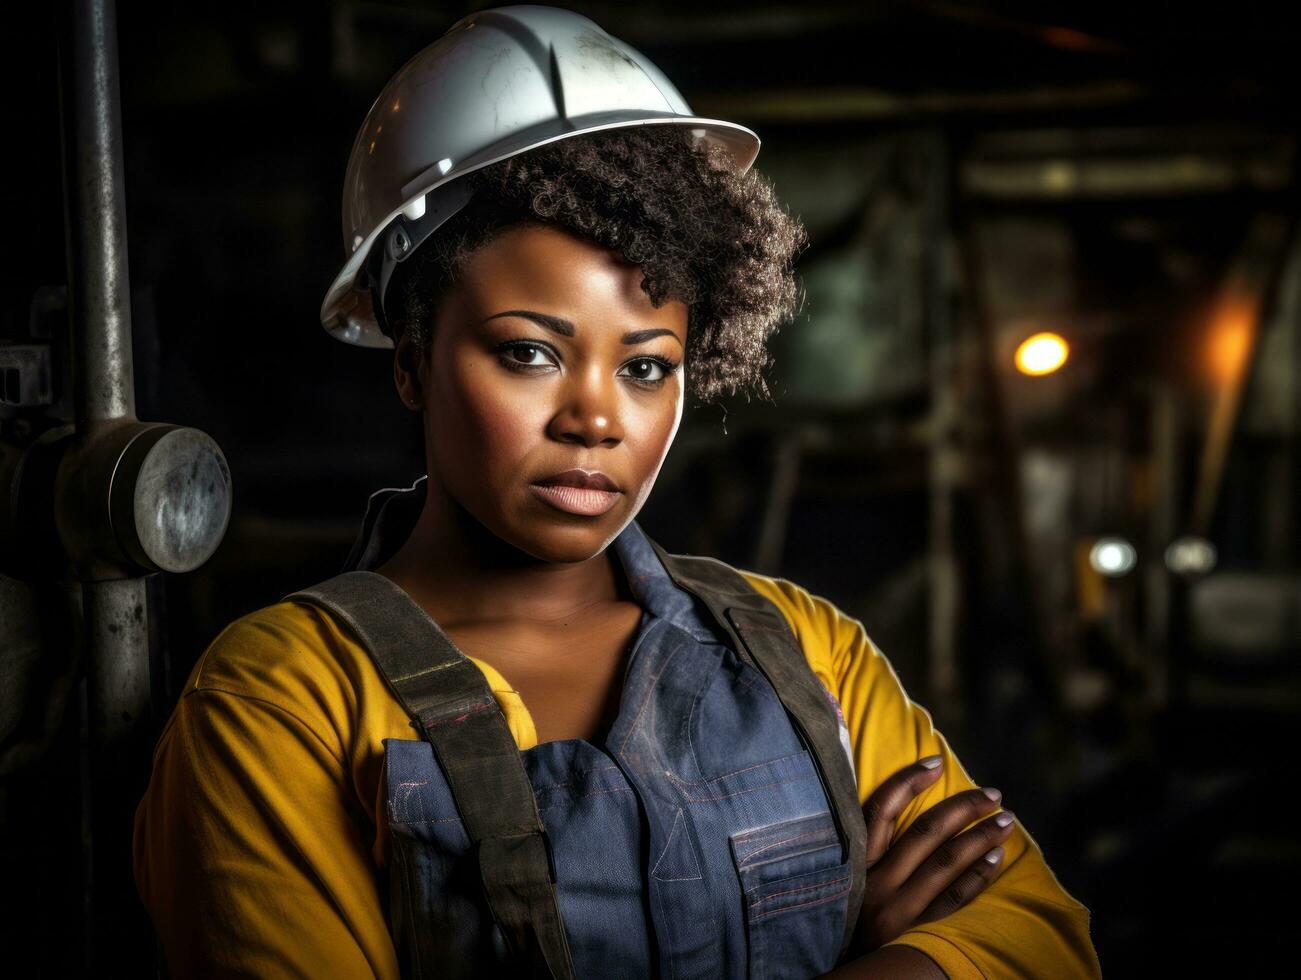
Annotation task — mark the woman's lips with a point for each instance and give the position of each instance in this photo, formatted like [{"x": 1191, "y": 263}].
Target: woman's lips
[{"x": 577, "y": 500}]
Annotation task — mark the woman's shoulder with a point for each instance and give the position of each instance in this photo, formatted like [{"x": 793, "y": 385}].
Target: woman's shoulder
[
  {"x": 876, "y": 709},
  {"x": 810, "y": 615},
  {"x": 286, "y": 649},
  {"x": 297, "y": 657},
  {"x": 831, "y": 639},
  {"x": 795, "y": 602}
]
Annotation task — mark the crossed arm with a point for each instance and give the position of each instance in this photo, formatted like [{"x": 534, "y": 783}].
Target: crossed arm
[
  {"x": 934, "y": 906},
  {"x": 934, "y": 869}
]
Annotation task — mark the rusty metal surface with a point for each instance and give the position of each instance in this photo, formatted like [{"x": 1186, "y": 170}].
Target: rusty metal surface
[
  {"x": 81, "y": 499},
  {"x": 179, "y": 501},
  {"x": 116, "y": 631},
  {"x": 118, "y": 689},
  {"x": 100, "y": 289}
]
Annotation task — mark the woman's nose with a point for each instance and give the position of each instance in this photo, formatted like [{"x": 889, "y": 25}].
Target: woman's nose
[{"x": 589, "y": 413}]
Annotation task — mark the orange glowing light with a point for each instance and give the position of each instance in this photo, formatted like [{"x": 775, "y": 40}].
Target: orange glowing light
[
  {"x": 1042, "y": 353},
  {"x": 1230, "y": 343}
]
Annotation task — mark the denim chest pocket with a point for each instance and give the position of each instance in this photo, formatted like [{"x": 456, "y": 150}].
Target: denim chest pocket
[{"x": 796, "y": 892}]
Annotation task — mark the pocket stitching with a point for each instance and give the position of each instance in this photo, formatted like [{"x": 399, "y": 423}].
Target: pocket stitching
[
  {"x": 753, "y": 868},
  {"x": 756, "y": 916},
  {"x": 748, "y": 860},
  {"x": 795, "y": 891}
]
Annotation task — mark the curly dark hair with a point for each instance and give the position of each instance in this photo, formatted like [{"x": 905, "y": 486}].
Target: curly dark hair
[{"x": 704, "y": 234}]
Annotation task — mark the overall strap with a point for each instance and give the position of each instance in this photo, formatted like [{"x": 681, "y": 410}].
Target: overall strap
[
  {"x": 455, "y": 710},
  {"x": 760, "y": 631}
]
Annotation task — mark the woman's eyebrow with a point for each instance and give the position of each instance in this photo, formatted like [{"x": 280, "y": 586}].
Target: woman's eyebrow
[
  {"x": 640, "y": 336},
  {"x": 553, "y": 323},
  {"x": 566, "y": 329}
]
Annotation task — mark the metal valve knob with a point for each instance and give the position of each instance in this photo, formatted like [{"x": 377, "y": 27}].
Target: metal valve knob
[
  {"x": 146, "y": 496},
  {"x": 170, "y": 498}
]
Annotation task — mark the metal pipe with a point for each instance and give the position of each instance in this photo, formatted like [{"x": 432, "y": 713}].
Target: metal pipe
[
  {"x": 116, "y": 640},
  {"x": 117, "y": 686},
  {"x": 95, "y": 214},
  {"x": 115, "y": 723}
]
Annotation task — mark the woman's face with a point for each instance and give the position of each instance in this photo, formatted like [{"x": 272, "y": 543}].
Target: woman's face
[{"x": 548, "y": 358}]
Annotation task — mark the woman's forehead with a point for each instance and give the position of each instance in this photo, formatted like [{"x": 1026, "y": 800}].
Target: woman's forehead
[{"x": 543, "y": 268}]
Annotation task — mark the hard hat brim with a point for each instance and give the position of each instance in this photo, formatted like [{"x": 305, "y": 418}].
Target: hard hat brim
[{"x": 347, "y": 313}]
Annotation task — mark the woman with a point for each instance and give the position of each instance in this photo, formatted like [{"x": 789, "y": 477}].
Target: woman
[{"x": 621, "y": 769}]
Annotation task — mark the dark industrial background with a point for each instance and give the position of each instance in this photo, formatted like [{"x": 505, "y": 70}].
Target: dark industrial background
[{"x": 970, "y": 173}]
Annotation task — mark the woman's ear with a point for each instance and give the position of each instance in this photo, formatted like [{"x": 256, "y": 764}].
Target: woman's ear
[{"x": 407, "y": 374}]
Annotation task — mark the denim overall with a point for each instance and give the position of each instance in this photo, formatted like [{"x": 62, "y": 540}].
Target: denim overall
[{"x": 696, "y": 842}]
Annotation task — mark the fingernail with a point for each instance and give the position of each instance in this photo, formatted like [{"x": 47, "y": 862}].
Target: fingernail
[
  {"x": 992, "y": 793},
  {"x": 1005, "y": 818},
  {"x": 930, "y": 762},
  {"x": 994, "y": 856}
]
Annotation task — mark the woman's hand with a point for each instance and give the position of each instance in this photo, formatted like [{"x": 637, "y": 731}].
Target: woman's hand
[{"x": 935, "y": 867}]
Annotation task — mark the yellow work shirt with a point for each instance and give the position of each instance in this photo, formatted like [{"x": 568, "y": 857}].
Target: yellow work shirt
[{"x": 257, "y": 849}]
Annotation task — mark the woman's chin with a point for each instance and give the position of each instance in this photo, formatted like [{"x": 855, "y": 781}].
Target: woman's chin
[
  {"x": 562, "y": 539},
  {"x": 565, "y": 545}
]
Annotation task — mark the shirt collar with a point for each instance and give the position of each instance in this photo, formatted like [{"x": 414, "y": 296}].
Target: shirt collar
[{"x": 392, "y": 512}]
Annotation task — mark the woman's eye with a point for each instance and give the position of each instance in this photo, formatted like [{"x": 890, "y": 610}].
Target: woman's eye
[
  {"x": 526, "y": 355},
  {"x": 648, "y": 369},
  {"x": 520, "y": 356}
]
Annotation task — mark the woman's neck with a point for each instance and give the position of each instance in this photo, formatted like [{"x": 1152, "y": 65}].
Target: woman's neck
[{"x": 461, "y": 572}]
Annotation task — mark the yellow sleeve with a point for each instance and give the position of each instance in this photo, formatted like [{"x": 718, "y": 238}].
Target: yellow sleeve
[
  {"x": 252, "y": 851},
  {"x": 256, "y": 849},
  {"x": 1024, "y": 924},
  {"x": 257, "y": 852}
]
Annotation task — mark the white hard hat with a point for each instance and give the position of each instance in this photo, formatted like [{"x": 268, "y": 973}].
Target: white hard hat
[{"x": 498, "y": 83}]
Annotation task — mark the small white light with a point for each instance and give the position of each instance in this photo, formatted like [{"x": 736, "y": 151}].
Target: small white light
[
  {"x": 356, "y": 242},
  {"x": 1190, "y": 555},
  {"x": 1112, "y": 557},
  {"x": 416, "y": 209},
  {"x": 444, "y": 165}
]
